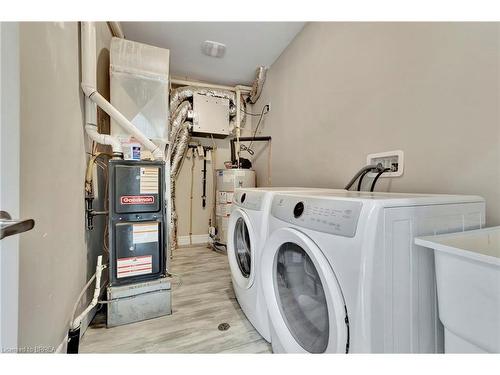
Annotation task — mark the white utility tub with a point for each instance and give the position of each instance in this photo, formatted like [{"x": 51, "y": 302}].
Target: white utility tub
[{"x": 468, "y": 288}]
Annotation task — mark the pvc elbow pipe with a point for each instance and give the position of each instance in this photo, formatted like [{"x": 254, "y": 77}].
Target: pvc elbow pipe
[
  {"x": 126, "y": 124},
  {"x": 104, "y": 139},
  {"x": 87, "y": 89}
]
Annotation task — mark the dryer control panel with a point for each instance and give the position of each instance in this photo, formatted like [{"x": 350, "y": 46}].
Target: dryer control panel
[{"x": 339, "y": 217}]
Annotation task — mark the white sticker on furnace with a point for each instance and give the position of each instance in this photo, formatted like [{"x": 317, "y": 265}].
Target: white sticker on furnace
[
  {"x": 144, "y": 233},
  {"x": 149, "y": 180},
  {"x": 126, "y": 267}
]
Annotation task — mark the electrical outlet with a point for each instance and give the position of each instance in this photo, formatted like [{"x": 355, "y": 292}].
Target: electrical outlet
[
  {"x": 390, "y": 159},
  {"x": 268, "y": 107}
]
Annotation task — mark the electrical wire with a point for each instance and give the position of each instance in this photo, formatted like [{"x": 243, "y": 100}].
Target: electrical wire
[
  {"x": 89, "y": 171},
  {"x": 96, "y": 159},
  {"x": 253, "y": 114},
  {"x": 378, "y": 176},
  {"x": 264, "y": 111}
]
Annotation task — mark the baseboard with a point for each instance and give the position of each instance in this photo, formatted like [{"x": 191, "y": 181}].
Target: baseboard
[{"x": 196, "y": 239}]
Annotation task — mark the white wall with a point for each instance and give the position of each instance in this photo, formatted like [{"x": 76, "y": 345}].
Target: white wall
[
  {"x": 343, "y": 90},
  {"x": 9, "y": 181},
  {"x": 58, "y": 256}
]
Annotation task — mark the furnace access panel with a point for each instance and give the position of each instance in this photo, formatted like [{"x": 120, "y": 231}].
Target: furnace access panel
[{"x": 137, "y": 230}]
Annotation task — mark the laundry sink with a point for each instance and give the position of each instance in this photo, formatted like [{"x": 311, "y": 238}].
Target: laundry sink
[{"x": 468, "y": 288}]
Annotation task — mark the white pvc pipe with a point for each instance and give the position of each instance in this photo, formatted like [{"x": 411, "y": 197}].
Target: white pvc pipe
[
  {"x": 116, "y": 29},
  {"x": 97, "y": 291},
  {"x": 184, "y": 82},
  {"x": 103, "y": 139},
  {"x": 89, "y": 87},
  {"x": 89, "y": 55},
  {"x": 238, "y": 127},
  {"x": 89, "y": 80}
]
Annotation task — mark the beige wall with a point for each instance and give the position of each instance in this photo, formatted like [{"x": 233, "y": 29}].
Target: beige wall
[
  {"x": 54, "y": 260},
  {"x": 343, "y": 90}
]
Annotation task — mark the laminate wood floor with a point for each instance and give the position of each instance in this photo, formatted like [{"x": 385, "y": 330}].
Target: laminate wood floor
[{"x": 203, "y": 301}]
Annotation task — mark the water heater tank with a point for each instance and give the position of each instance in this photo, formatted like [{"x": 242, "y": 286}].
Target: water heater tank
[{"x": 227, "y": 181}]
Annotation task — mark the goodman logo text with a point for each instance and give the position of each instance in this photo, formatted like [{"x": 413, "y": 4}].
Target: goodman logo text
[{"x": 137, "y": 199}]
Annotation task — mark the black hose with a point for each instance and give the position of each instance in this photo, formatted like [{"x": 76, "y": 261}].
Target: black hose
[
  {"x": 377, "y": 177},
  {"x": 73, "y": 340},
  {"x": 219, "y": 247},
  {"x": 204, "y": 181},
  {"x": 359, "y": 173}
]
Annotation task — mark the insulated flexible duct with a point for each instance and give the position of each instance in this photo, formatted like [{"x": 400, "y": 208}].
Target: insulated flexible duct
[
  {"x": 178, "y": 119},
  {"x": 258, "y": 84},
  {"x": 179, "y": 136},
  {"x": 180, "y": 150},
  {"x": 179, "y": 147}
]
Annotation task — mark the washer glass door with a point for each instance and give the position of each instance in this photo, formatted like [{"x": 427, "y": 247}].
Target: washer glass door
[
  {"x": 301, "y": 298},
  {"x": 243, "y": 247}
]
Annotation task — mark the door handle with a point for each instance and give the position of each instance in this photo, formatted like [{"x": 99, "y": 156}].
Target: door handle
[{"x": 9, "y": 227}]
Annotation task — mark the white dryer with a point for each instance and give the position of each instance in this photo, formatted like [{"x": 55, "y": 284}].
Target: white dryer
[
  {"x": 340, "y": 272},
  {"x": 247, "y": 232}
]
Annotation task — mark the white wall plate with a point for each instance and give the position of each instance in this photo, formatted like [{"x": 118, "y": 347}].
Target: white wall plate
[{"x": 388, "y": 159}]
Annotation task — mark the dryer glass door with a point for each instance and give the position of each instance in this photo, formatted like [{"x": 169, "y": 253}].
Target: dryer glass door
[
  {"x": 242, "y": 247},
  {"x": 301, "y": 298}
]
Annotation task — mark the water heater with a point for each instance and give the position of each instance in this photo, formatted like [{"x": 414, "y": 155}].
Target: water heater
[{"x": 227, "y": 181}]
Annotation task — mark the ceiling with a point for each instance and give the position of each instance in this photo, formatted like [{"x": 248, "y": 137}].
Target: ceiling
[{"x": 248, "y": 45}]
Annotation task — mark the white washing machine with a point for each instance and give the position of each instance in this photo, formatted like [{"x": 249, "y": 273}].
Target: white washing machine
[
  {"x": 247, "y": 232},
  {"x": 340, "y": 272}
]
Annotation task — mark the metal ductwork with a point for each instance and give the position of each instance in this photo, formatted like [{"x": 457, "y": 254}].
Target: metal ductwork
[{"x": 179, "y": 95}]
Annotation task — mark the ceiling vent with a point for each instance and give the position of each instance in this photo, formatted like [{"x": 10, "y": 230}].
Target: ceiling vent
[{"x": 213, "y": 49}]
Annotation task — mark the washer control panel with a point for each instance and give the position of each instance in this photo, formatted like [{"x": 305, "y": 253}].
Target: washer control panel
[
  {"x": 334, "y": 216},
  {"x": 249, "y": 199}
]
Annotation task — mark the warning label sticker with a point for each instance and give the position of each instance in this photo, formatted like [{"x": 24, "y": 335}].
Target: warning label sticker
[
  {"x": 149, "y": 180},
  {"x": 144, "y": 233},
  {"x": 134, "y": 266}
]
